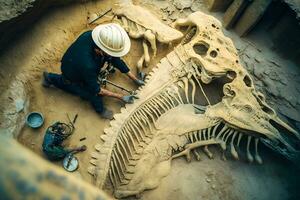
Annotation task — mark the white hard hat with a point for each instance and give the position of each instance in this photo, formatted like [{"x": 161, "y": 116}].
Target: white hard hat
[{"x": 112, "y": 39}]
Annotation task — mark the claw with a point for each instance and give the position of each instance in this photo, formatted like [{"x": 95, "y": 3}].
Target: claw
[
  {"x": 207, "y": 152},
  {"x": 197, "y": 155},
  {"x": 186, "y": 153}
]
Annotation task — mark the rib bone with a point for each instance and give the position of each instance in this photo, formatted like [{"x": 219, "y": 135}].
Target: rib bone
[
  {"x": 249, "y": 156},
  {"x": 257, "y": 157},
  {"x": 232, "y": 149}
]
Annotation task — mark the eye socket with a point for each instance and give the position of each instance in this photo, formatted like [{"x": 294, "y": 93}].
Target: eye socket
[{"x": 201, "y": 48}]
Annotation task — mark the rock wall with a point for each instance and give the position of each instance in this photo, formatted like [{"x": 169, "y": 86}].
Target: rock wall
[
  {"x": 22, "y": 178},
  {"x": 16, "y": 16},
  {"x": 295, "y": 5}
]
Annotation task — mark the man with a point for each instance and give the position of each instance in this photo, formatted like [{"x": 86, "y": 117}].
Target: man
[{"x": 83, "y": 60}]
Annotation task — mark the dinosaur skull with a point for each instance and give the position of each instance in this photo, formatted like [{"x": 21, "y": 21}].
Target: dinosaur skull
[
  {"x": 242, "y": 108},
  {"x": 207, "y": 47}
]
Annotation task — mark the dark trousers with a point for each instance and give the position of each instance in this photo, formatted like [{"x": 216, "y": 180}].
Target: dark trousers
[{"x": 77, "y": 89}]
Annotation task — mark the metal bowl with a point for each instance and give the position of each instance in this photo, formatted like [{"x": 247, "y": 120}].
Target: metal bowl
[{"x": 35, "y": 119}]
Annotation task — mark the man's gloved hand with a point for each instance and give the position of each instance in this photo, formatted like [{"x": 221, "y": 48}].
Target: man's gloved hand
[
  {"x": 139, "y": 82},
  {"x": 141, "y": 76},
  {"x": 107, "y": 114},
  {"x": 129, "y": 98}
]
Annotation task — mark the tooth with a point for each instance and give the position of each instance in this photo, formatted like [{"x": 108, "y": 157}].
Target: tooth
[
  {"x": 249, "y": 156},
  {"x": 193, "y": 89},
  {"x": 225, "y": 127},
  {"x": 232, "y": 149},
  {"x": 239, "y": 139},
  {"x": 257, "y": 157}
]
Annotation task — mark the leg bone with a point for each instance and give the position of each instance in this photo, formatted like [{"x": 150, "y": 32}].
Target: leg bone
[
  {"x": 189, "y": 147},
  {"x": 146, "y": 53},
  {"x": 152, "y": 40}
]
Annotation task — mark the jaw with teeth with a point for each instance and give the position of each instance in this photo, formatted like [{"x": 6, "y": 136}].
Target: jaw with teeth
[{"x": 242, "y": 109}]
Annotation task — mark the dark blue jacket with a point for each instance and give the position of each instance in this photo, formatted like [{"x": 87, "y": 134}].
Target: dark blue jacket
[{"x": 80, "y": 63}]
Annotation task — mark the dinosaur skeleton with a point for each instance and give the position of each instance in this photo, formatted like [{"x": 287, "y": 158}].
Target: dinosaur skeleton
[
  {"x": 199, "y": 95},
  {"x": 140, "y": 23}
]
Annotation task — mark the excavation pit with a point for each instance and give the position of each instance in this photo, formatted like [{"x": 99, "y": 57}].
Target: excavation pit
[{"x": 40, "y": 49}]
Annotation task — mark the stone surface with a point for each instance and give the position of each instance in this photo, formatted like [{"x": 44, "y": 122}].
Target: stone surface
[
  {"x": 218, "y": 5},
  {"x": 182, "y": 4},
  {"x": 10, "y": 9},
  {"x": 233, "y": 13},
  {"x": 251, "y": 16},
  {"x": 15, "y": 16},
  {"x": 274, "y": 80},
  {"x": 295, "y": 5}
]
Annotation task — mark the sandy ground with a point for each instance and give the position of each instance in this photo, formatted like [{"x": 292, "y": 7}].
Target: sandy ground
[
  {"x": 231, "y": 180},
  {"x": 41, "y": 48},
  {"x": 56, "y": 104}
]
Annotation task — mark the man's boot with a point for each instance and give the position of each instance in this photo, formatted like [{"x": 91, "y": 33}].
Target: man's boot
[
  {"x": 107, "y": 114},
  {"x": 141, "y": 76},
  {"x": 46, "y": 82}
]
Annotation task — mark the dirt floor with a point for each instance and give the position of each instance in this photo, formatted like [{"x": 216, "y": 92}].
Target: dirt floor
[{"x": 41, "y": 47}]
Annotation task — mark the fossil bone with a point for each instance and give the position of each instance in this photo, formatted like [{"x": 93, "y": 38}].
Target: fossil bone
[
  {"x": 142, "y": 24},
  {"x": 176, "y": 125}
]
